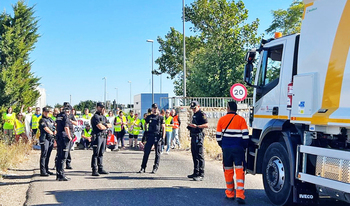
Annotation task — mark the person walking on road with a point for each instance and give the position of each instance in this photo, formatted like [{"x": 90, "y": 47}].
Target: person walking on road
[
  {"x": 198, "y": 123},
  {"x": 232, "y": 136},
  {"x": 100, "y": 125},
  {"x": 154, "y": 123},
  {"x": 64, "y": 136},
  {"x": 46, "y": 139}
]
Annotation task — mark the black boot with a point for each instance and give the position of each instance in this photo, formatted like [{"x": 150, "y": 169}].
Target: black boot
[
  {"x": 142, "y": 170},
  {"x": 103, "y": 172},
  {"x": 154, "y": 170},
  {"x": 68, "y": 167},
  {"x": 95, "y": 173}
]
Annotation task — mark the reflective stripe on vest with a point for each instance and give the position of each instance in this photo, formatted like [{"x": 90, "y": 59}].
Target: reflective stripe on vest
[
  {"x": 87, "y": 134},
  {"x": 137, "y": 128},
  {"x": 118, "y": 127},
  {"x": 19, "y": 127},
  {"x": 176, "y": 122},
  {"x": 167, "y": 122},
  {"x": 35, "y": 121}
]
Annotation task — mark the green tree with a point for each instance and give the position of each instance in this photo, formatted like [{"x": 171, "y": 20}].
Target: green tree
[
  {"x": 85, "y": 104},
  {"x": 58, "y": 105},
  {"x": 287, "y": 21},
  {"x": 18, "y": 35},
  {"x": 216, "y": 60}
]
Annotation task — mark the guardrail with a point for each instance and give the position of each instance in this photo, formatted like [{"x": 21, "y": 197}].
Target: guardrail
[{"x": 172, "y": 102}]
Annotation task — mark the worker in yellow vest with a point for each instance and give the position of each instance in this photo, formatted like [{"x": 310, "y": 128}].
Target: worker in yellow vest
[
  {"x": 20, "y": 128},
  {"x": 35, "y": 123},
  {"x": 86, "y": 114},
  {"x": 168, "y": 129},
  {"x": 8, "y": 126},
  {"x": 120, "y": 128},
  {"x": 136, "y": 131},
  {"x": 86, "y": 137},
  {"x": 131, "y": 121}
]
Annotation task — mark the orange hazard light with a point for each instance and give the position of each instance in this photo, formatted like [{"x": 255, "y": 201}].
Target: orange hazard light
[{"x": 278, "y": 35}]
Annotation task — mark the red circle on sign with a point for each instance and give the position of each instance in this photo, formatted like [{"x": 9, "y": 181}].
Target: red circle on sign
[{"x": 238, "y": 92}]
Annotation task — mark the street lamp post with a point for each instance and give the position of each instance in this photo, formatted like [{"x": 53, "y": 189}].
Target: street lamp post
[
  {"x": 130, "y": 92},
  {"x": 184, "y": 45},
  {"x": 150, "y": 40},
  {"x": 105, "y": 78}
]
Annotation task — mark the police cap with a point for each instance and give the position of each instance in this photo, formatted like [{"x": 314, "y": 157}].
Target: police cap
[
  {"x": 100, "y": 104},
  {"x": 46, "y": 109},
  {"x": 154, "y": 105},
  {"x": 194, "y": 104},
  {"x": 232, "y": 105}
]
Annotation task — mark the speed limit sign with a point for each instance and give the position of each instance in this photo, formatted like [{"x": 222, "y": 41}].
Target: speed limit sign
[{"x": 238, "y": 92}]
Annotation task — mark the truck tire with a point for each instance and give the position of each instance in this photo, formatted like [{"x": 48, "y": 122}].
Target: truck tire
[{"x": 276, "y": 174}]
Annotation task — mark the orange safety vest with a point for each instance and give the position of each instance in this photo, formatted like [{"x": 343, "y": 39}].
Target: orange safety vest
[{"x": 176, "y": 122}]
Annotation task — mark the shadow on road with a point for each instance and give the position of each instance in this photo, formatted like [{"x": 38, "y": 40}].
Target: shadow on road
[{"x": 152, "y": 196}]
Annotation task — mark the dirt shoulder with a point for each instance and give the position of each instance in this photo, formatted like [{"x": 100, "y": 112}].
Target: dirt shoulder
[{"x": 15, "y": 182}]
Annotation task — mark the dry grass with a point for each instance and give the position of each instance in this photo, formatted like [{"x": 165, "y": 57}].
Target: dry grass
[
  {"x": 211, "y": 147},
  {"x": 12, "y": 155}
]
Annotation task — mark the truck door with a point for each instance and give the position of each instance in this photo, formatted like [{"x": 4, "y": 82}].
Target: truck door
[{"x": 267, "y": 93}]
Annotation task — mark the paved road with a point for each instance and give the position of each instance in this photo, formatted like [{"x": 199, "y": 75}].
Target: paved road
[{"x": 123, "y": 186}]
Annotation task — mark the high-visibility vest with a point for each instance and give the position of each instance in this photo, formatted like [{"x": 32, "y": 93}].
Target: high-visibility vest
[
  {"x": 137, "y": 128},
  {"x": 53, "y": 118},
  {"x": 87, "y": 116},
  {"x": 143, "y": 122},
  {"x": 87, "y": 133},
  {"x": 176, "y": 122},
  {"x": 131, "y": 123},
  {"x": 118, "y": 127},
  {"x": 35, "y": 121},
  {"x": 9, "y": 120},
  {"x": 19, "y": 127},
  {"x": 167, "y": 122}
]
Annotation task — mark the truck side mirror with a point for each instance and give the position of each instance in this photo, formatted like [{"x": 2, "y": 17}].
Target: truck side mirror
[{"x": 248, "y": 73}]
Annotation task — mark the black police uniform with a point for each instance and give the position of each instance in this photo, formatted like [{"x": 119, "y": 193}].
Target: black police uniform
[
  {"x": 63, "y": 143},
  {"x": 98, "y": 142},
  {"x": 197, "y": 139},
  {"x": 71, "y": 143},
  {"x": 153, "y": 137},
  {"x": 46, "y": 142}
]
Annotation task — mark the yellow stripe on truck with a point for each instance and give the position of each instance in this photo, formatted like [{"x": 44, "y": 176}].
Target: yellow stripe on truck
[
  {"x": 305, "y": 6},
  {"x": 270, "y": 116},
  {"x": 335, "y": 72}
]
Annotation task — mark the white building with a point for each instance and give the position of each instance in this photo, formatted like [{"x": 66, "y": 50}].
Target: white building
[{"x": 42, "y": 98}]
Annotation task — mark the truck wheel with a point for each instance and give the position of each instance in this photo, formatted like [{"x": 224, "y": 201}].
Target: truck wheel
[{"x": 276, "y": 174}]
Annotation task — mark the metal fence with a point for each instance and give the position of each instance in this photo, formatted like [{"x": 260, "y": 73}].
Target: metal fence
[{"x": 172, "y": 102}]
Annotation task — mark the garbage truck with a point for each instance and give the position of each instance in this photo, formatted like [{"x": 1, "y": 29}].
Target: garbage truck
[{"x": 300, "y": 117}]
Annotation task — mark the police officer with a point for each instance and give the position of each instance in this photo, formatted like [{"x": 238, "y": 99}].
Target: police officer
[
  {"x": 46, "y": 139},
  {"x": 71, "y": 143},
  {"x": 233, "y": 149},
  {"x": 100, "y": 125},
  {"x": 64, "y": 136},
  {"x": 154, "y": 123},
  {"x": 198, "y": 123}
]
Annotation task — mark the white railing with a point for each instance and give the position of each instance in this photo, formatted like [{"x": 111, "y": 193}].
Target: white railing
[{"x": 172, "y": 102}]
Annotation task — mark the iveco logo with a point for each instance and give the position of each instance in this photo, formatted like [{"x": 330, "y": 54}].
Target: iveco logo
[{"x": 304, "y": 196}]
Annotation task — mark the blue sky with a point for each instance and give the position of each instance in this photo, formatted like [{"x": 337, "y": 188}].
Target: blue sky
[{"x": 83, "y": 41}]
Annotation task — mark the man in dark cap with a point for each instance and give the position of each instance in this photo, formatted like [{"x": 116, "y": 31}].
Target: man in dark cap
[
  {"x": 64, "y": 136},
  {"x": 71, "y": 143},
  {"x": 47, "y": 132},
  {"x": 232, "y": 136},
  {"x": 154, "y": 123},
  {"x": 198, "y": 123},
  {"x": 100, "y": 125}
]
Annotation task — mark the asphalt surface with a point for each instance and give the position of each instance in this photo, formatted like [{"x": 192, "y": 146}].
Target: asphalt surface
[{"x": 124, "y": 186}]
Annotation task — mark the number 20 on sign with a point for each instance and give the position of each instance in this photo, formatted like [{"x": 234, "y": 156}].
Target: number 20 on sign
[{"x": 238, "y": 92}]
